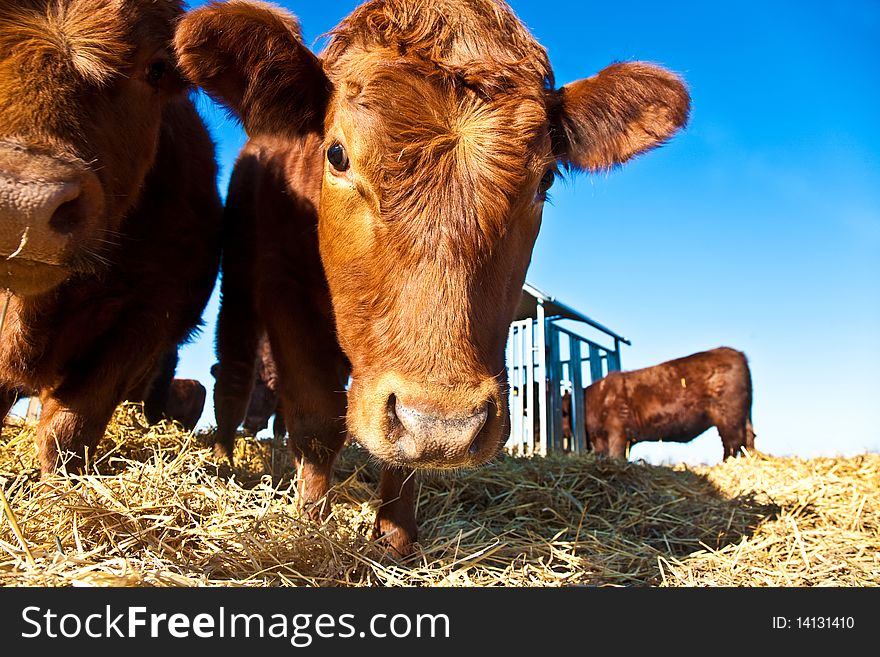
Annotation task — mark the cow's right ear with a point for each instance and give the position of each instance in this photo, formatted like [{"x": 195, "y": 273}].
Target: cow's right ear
[{"x": 250, "y": 57}]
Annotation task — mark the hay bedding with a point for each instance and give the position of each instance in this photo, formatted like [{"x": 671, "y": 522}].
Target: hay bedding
[{"x": 155, "y": 510}]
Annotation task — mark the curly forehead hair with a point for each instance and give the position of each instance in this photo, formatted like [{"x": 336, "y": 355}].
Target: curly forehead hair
[
  {"x": 453, "y": 95},
  {"x": 93, "y": 37},
  {"x": 479, "y": 43}
]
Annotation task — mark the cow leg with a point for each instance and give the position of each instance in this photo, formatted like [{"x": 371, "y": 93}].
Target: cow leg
[
  {"x": 238, "y": 329},
  {"x": 750, "y": 436},
  {"x": 279, "y": 430},
  {"x": 311, "y": 388},
  {"x": 733, "y": 438},
  {"x": 75, "y": 414},
  {"x": 237, "y": 340},
  {"x": 396, "y": 518},
  {"x": 74, "y": 417},
  {"x": 315, "y": 440},
  {"x": 73, "y": 426},
  {"x": 153, "y": 388},
  {"x": 158, "y": 390}
]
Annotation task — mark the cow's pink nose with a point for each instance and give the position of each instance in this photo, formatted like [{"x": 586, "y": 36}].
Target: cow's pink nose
[{"x": 431, "y": 439}]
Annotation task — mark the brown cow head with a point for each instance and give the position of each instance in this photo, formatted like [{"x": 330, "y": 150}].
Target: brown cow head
[
  {"x": 82, "y": 87},
  {"x": 442, "y": 133}
]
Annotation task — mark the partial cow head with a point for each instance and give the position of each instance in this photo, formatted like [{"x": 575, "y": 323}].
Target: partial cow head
[
  {"x": 82, "y": 87},
  {"x": 442, "y": 133},
  {"x": 263, "y": 404}
]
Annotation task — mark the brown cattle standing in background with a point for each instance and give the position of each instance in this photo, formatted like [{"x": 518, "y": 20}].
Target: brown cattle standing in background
[
  {"x": 262, "y": 406},
  {"x": 109, "y": 212},
  {"x": 674, "y": 401},
  {"x": 381, "y": 219},
  {"x": 264, "y": 401},
  {"x": 186, "y": 401}
]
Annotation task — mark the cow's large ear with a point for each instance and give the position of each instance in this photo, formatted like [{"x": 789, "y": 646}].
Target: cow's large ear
[
  {"x": 623, "y": 111},
  {"x": 250, "y": 57}
]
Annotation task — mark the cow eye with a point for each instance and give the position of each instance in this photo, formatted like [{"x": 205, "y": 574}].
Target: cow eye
[
  {"x": 546, "y": 183},
  {"x": 156, "y": 71},
  {"x": 337, "y": 157}
]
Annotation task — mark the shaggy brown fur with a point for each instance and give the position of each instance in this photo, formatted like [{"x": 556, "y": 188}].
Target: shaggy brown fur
[
  {"x": 674, "y": 401},
  {"x": 414, "y": 158},
  {"x": 90, "y": 102}
]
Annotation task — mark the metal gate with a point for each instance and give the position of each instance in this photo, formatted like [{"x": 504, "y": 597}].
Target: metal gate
[{"x": 544, "y": 361}]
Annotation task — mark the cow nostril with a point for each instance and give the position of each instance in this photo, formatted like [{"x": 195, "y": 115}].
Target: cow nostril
[
  {"x": 391, "y": 411},
  {"x": 479, "y": 440},
  {"x": 67, "y": 217}
]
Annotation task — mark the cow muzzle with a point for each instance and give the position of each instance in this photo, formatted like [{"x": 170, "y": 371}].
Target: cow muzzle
[
  {"x": 425, "y": 435},
  {"x": 432, "y": 427},
  {"x": 46, "y": 206}
]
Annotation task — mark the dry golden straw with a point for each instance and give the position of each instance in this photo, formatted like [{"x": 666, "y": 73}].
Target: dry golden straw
[{"x": 156, "y": 510}]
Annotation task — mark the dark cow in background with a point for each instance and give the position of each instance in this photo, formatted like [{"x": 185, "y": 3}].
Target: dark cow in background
[
  {"x": 381, "y": 219},
  {"x": 186, "y": 402},
  {"x": 262, "y": 406},
  {"x": 674, "y": 401},
  {"x": 109, "y": 212},
  {"x": 263, "y": 403}
]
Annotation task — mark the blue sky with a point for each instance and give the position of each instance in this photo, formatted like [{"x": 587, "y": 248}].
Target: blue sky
[{"x": 758, "y": 227}]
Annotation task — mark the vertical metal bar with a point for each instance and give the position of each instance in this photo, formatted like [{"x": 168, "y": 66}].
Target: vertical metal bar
[
  {"x": 541, "y": 352},
  {"x": 614, "y": 358},
  {"x": 522, "y": 353},
  {"x": 554, "y": 394},
  {"x": 529, "y": 378},
  {"x": 522, "y": 346},
  {"x": 595, "y": 363},
  {"x": 510, "y": 359},
  {"x": 575, "y": 412}
]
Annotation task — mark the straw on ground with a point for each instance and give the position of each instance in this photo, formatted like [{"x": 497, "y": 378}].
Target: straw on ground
[{"x": 155, "y": 509}]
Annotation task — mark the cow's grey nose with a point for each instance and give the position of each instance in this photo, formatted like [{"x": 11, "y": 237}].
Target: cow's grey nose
[
  {"x": 429, "y": 437},
  {"x": 37, "y": 203}
]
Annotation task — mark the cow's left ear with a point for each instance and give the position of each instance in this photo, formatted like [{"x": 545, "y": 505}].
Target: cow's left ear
[{"x": 623, "y": 111}]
